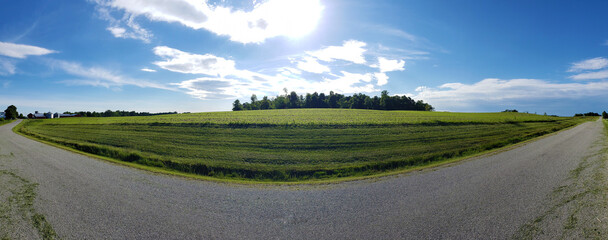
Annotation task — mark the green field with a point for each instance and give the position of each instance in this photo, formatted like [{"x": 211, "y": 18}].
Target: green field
[{"x": 294, "y": 144}]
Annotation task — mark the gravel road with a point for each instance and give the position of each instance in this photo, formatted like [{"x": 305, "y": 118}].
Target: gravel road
[{"x": 490, "y": 197}]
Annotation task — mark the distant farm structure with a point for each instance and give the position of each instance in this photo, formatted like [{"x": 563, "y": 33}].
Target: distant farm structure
[{"x": 50, "y": 115}]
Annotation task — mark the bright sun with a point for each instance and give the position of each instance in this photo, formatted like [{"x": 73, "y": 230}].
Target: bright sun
[{"x": 293, "y": 18}]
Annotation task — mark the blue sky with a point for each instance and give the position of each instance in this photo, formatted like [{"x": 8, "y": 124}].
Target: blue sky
[{"x": 196, "y": 56}]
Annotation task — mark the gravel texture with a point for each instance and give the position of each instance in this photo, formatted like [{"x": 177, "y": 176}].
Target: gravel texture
[{"x": 489, "y": 197}]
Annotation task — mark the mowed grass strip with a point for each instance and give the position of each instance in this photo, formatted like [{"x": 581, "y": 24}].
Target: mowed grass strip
[{"x": 295, "y": 150}]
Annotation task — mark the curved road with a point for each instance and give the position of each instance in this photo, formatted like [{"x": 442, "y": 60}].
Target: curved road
[{"x": 487, "y": 197}]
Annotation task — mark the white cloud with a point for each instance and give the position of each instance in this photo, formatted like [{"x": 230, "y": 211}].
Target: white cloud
[
  {"x": 386, "y": 65},
  {"x": 498, "y": 91},
  {"x": 209, "y": 88},
  {"x": 269, "y": 19},
  {"x": 589, "y": 64},
  {"x": 351, "y": 51},
  {"x": 117, "y": 31},
  {"x": 349, "y": 83},
  {"x": 118, "y": 27},
  {"x": 248, "y": 83},
  {"x": 591, "y": 75},
  {"x": 96, "y": 76},
  {"x": 148, "y": 70},
  {"x": 7, "y": 67},
  {"x": 22, "y": 51},
  {"x": 310, "y": 64},
  {"x": 382, "y": 78},
  {"x": 183, "y": 62},
  {"x": 225, "y": 80}
]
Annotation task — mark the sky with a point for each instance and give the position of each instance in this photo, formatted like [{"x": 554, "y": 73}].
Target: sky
[{"x": 199, "y": 56}]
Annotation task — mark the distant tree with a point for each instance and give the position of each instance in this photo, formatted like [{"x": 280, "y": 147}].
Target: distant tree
[
  {"x": 604, "y": 115},
  {"x": 11, "y": 112},
  {"x": 510, "y": 110},
  {"x": 323, "y": 100},
  {"x": 589, "y": 114},
  {"x": 280, "y": 102},
  {"x": 368, "y": 103},
  {"x": 294, "y": 100},
  {"x": 254, "y": 105},
  {"x": 333, "y": 99},
  {"x": 265, "y": 103},
  {"x": 385, "y": 100},
  {"x": 307, "y": 101},
  {"x": 108, "y": 113},
  {"x": 246, "y": 106},
  {"x": 21, "y": 116},
  {"x": 237, "y": 106}
]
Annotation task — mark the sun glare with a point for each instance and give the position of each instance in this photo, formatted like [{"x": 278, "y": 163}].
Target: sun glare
[{"x": 294, "y": 18}]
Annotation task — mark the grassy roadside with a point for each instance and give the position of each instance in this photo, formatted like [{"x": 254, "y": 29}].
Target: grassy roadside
[
  {"x": 412, "y": 146},
  {"x": 18, "y": 218},
  {"x": 3, "y": 122}
]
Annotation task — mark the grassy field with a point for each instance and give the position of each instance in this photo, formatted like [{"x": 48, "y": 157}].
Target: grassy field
[{"x": 294, "y": 144}]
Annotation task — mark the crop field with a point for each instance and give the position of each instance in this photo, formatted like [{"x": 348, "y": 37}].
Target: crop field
[{"x": 294, "y": 144}]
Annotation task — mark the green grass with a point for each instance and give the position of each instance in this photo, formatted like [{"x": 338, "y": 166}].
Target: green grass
[
  {"x": 294, "y": 144},
  {"x": 3, "y": 121}
]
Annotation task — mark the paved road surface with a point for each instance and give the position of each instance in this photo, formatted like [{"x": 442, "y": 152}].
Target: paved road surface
[{"x": 489, "y": 197}]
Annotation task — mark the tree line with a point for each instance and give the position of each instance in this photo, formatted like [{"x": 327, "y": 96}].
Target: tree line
[
  {"x": 333, "y": 100},
  {"x": 117, "y": 113},
  {"x": 589, "y": 114}
]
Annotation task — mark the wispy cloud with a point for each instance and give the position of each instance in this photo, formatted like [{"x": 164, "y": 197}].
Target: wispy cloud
[
  {"x": 148, "y": 70},
  {"x": 22, "y": 51},
  {"x": 269, "y": 19},
  {"x": 209, "y": 88},
  {"x": 414, "y": 40},
  {"x": 310, "y": 64},
  {"x": 100, "y": 77},
  {"x": 589, "y": 69},
  {"x": 351, "y": 50},
  {"x": 589, "y": 64},
  {"x": 497, "y": 91},
  {"x": 591, "y": 75},
  {"x": 223, "y": 79},
  {"x": 6, "y": 84},
  {"x": 125, "y": 27},
  {"x": 183, "y": 62},
  {"x": 396, "y": 32},
  {"x": 247, "y": 83},
  {"x": 7, "y": 67}
]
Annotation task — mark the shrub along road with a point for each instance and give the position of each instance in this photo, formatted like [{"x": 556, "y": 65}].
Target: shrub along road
[{"x": 523, "y": 192}]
